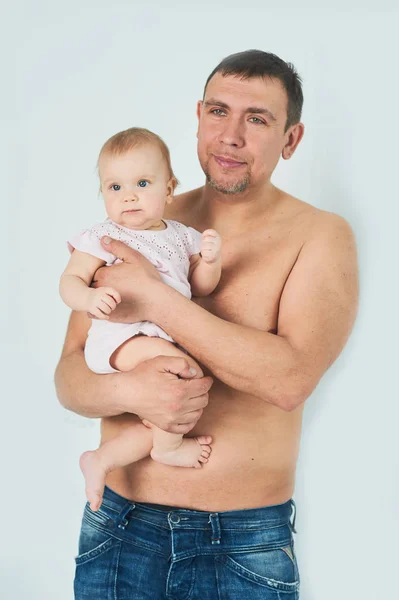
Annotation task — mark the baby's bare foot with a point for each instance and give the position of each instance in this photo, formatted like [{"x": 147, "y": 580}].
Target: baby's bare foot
[
  {"x": 94, "y": 474},
  {"x": 191, "y": 453}
]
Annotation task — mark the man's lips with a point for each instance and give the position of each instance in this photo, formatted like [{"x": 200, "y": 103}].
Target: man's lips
[
  {"x": 228, "y": 163},
  {"x": 132, "y": 210}
]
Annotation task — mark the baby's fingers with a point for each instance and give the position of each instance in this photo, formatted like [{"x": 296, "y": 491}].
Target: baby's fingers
[
  {"x": 99, "y": 314},
  {"x": 114, "y": 294},
  {"x": 209, "y": 244},
  {"x": 210, "y": 233},
  {"x": 106, "y": 304},
  {"x": 109, "y": 302}
]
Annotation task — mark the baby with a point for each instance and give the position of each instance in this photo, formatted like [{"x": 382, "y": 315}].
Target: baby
[{"x": 137, "y": 182}]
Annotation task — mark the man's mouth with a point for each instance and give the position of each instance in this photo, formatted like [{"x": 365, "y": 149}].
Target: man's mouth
[
  {"x": 227, "y": 162},
  {"x": 132, "y": 210}
]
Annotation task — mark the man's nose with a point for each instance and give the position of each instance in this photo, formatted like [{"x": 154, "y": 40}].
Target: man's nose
[{"x": 232, "y": 133}]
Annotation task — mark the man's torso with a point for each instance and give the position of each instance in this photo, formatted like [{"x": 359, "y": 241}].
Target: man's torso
[{"x": 255, "y": 444}]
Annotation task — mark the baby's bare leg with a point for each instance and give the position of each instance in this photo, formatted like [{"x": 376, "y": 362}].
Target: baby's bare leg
[
  {"x": 137, "y": 441},
  {"x": 133, "y": 444},
  {"x": 168, "y": 448}
]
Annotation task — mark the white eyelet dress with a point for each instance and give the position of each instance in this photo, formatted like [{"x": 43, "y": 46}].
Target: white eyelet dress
[{"x": 169, "y": 250}]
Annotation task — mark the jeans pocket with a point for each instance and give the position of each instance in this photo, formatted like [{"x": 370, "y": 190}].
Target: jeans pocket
[
  {"x": 275, "y": 569},
  {"x": 95, "y": 537},
  {"x": 96, "y": 569}
]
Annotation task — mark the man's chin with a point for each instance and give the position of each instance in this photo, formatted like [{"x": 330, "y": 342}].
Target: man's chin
[{"x": 224, "y": 187}]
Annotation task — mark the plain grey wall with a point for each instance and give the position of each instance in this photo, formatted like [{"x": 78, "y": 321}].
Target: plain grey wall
[{"x": 77, "y": 72}]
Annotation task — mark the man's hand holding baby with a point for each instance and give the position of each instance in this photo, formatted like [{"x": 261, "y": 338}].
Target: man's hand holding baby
[{"x": 138, "y": 280}]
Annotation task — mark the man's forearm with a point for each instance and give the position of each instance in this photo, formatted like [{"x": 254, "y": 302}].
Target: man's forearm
[
  {"x": 82, "y": 391},
  {"x": 252, "y": 361}
]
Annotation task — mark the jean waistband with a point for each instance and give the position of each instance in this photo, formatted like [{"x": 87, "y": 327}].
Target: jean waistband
[{"x": 161, "y": 515}]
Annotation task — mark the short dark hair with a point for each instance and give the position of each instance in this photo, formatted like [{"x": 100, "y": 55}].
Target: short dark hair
[{"x": 256, "y": 63}]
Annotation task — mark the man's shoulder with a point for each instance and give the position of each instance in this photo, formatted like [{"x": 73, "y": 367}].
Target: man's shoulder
[
  {"x": 315, "y": 222},
  {"x": 328, "y": 225}
]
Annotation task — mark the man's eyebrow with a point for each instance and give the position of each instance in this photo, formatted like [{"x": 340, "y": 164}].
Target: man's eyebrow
[
  {"x": 251, "y": 109},
  {"x": 213, "y": 102},
  {"x": 261, "y": 111}
]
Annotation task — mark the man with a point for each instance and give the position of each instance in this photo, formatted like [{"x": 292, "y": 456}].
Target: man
[{"x": 279, "y": 318}]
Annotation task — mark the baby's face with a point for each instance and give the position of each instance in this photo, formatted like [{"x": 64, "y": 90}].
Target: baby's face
[{"x": 135, "y": 187}]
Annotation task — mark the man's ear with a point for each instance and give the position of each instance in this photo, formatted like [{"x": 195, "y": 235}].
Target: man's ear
[
  {"x": 170, "y": 189},
  {"x": 199, "y": 109},
  {"x": 293, "y": 137}
]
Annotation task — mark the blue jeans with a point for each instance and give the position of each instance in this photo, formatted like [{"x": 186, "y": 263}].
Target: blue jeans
[{"x": 135, "y": 551}]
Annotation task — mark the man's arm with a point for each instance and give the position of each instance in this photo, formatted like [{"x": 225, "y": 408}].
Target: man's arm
[
  {"x": 316, "y": 314},
  {"x": 161, "y": 390}
]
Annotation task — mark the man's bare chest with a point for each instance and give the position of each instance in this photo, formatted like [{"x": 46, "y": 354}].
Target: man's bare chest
[{"x": 255, "y": 270}]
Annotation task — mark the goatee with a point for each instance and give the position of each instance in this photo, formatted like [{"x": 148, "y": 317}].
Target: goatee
[{"x": 233, "y": 188}]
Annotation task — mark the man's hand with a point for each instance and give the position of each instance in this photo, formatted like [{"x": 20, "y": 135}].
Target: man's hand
[
  {"x": 167, "y": 393},
  {"x": 135, "y": 278}
]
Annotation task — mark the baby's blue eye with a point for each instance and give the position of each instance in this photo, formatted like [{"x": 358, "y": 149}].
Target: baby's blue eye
[
  {"x": 115, "y": 187},
  {"x": 143, "y": 183}
]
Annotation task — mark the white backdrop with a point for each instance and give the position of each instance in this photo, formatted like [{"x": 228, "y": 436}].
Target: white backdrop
[{"x": 75, "y": 73}]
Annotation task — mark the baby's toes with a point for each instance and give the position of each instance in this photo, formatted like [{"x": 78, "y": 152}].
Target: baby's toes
[{"x": 204, "y": 439}]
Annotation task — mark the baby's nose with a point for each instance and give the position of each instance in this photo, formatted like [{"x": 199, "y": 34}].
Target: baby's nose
[{"x": 130, "y": 197}]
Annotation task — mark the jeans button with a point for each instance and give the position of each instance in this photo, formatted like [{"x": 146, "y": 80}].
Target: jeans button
[{"x": 174, "y": 518}]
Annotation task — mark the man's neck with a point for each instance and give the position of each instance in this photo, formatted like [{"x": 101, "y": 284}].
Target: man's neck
[{"x": 231, "y": 214}]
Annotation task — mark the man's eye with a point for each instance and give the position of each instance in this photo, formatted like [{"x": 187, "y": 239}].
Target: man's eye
[
  {"x": 257, "y": 121},
  {"x": 218, "y": 112},
  {"x": 143, "y": 183},
  {"x": 115, "y": 187}
]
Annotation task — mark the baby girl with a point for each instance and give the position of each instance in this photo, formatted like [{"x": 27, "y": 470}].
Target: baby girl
[{"x": 137, "y": 182}]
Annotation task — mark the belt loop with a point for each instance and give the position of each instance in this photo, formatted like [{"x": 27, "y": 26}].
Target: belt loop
[
  {"x": 123, "y": 515},
  {"x": 216, "y": 531},
  {"x": 294, "y": 518}
]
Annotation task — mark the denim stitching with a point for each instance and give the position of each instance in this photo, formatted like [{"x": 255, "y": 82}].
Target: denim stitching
[
  {"x": 109, "y": 507},
  {"x": 223, "y": 551},
  {"x": 261, "y": 579},
  {"x": 114, "y": 536},
  {"x": 169, "y": 581},
  {"x": 215, "y": 562},
  {"x": 116, "y": 572},
  {"x": 157, "y": 525},
  {"x": 102, "y": 548}
]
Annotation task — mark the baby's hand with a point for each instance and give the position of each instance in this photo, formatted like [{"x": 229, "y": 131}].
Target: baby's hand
[
  {"x": 102, "y": 301},
  {"x": 211, "y": 245}
]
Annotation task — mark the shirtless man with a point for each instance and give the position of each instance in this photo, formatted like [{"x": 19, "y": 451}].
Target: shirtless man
[{"x": 279, "y": 318}]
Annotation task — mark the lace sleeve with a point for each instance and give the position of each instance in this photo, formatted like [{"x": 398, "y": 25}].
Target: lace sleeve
[{"x": 89, "y": 242}]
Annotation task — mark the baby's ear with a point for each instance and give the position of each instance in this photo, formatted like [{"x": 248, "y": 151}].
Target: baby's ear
[{"x": 170, "y": 187}]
